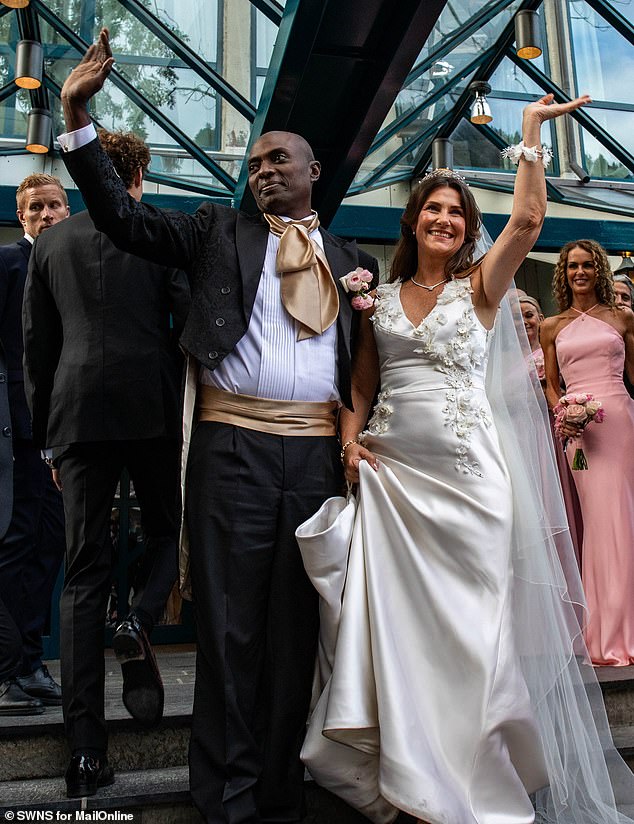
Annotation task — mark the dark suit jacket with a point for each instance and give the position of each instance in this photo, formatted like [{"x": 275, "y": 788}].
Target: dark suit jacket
[
  {"x": 221, "y": 249},
  {"x": 101, "y": 362},
  {"x": 6, "y": 449},
  {"x": 14, "y": 259}
]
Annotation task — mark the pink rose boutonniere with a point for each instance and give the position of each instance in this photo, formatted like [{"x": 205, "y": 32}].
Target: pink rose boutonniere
[
  {"x": 358, "y": 281},
  {"x": 580, "y": 410}
]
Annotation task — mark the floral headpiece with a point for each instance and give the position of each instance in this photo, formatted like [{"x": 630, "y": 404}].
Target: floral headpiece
[{"x": 442, "y": 172}]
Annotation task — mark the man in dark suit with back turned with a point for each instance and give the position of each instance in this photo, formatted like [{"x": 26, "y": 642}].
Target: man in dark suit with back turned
[
  {"x": 103, "y": 376},
  {"x": 32, "y": 549},
  {"x": 270, "y": 355}
]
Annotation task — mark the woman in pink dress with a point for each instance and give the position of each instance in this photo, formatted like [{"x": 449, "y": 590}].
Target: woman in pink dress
[
  {"x": 533, "y": 316},
  {"x": 588, "y": 344}
]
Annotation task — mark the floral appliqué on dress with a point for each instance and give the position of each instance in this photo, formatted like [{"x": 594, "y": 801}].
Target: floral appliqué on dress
[
  {"x": 385, "y": 313},
  {"x": 457, "y": 359}
]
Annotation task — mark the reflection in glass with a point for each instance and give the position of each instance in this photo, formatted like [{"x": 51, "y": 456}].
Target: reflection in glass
[
  {"x": 472, "y": 150},
  {"x": 599, "y": 162},
  {"x": 602, "y": 55}
]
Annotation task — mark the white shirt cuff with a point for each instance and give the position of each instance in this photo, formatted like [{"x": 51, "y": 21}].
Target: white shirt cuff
[{"x": 69, "y": 141}]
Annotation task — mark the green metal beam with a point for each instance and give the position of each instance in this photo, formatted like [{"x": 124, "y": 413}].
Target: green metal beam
[
  {"x": 381, "y": 224},
  {"x": 7, "y": 90},
  {"x": 270, "y": 9}
]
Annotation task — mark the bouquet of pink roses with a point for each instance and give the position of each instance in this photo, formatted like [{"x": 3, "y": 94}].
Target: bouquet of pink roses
[{"x": 579, "y": 410}]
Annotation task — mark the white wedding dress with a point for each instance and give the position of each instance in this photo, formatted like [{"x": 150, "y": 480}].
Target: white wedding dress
[
  {"x": 452, "y": 678},
  {"x": 427, "y": 710}
]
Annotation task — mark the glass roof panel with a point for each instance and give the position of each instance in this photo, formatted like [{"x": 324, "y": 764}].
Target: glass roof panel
[
  {"x": 13, "y": 112},
  {"x": 195, "y": 23},
  {"x": 457, "y": 60},
  {"x": 601, "y": 55},
  {"x": 473, "y": 150},
  {"x": 238, "y": 46},
  {"x": 458, "y": 14},
  {"x": 509, "y": 80},
  {"x": 406, "y": 145},
  {"x": 598, "y": 161}
]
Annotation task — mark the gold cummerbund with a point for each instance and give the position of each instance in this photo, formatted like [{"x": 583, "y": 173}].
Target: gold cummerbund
[{"x": 266, "y": 415}]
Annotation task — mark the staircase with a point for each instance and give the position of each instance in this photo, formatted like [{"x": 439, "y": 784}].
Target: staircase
[{"x": 151, "y": 766}]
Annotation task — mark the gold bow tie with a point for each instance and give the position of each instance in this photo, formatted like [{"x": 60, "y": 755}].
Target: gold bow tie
[{"x": 309, "y": 293}]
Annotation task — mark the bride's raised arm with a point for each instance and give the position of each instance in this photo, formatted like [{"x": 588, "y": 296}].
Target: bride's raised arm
[{"x": 529, "y": 206}]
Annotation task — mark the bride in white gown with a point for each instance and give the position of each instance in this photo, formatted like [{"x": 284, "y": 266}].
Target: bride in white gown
[{"x": 438, "y": 705}]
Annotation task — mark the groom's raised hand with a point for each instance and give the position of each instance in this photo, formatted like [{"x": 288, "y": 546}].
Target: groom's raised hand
[{"x": 85, "y": 80}]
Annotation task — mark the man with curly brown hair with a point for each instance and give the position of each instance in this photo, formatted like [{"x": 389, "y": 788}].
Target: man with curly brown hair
[{"x": 103, "y": 373}]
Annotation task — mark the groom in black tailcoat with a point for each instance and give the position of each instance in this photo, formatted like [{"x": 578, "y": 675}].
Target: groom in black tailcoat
[{"x": 270, "y": 362}]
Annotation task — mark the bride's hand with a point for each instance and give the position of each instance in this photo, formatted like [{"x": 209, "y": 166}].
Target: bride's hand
[
  {"x": 544, "y": 108},
  {"x": 356, "y": 453}
]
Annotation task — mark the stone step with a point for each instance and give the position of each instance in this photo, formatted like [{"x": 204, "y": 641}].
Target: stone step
[
  {"x": 162, "y": 795},
  {"x": 617, "y": 684},
  {"x": 35, "y": 746},
  {"x": 37, "y": 751}
]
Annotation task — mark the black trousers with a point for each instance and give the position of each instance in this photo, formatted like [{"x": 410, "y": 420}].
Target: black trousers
[
  {"x": 31, "y": 551},
  {"x": 256, "y": 617},
  {"x": 10, "y": 646},
  {"x": 89, "y": 473}
]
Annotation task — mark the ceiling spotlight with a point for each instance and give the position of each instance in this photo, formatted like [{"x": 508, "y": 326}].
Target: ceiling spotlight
[
  {"x": 527, "y": 35},
  {"x": 627, "y": 265},
  {"x": 442, "y": 153},
  {"x": 15, "y": 4},
  {"x": 29, "y": 60},
  {"x": 480, "y": 111},
  {"x": 38, "y": 131}
]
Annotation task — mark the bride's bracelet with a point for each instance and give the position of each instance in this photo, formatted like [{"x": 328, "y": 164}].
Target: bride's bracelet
[
  {"x": 342, "y": 454},
  {"x": 530, "y": 153}
]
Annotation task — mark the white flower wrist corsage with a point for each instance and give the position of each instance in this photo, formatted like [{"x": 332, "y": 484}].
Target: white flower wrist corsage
[{"x": 530, "y": 153}]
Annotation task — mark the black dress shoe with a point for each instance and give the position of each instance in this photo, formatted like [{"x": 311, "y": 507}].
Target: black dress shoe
[
  {"x": 14, "y": 701},
  {"x": 86, "y": 774},
  {"x": 142, "y": 685},
  {"x": 40, "y": 684}
]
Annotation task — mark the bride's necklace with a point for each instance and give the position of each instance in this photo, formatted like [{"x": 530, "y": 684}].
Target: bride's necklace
[
  {"x": 424, "y": 285},
  {"x": 583, "y": 313}
]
